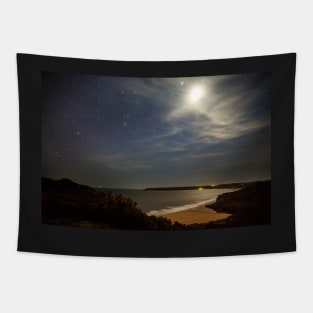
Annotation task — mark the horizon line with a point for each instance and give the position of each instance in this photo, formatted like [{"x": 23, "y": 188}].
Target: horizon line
[{"x": 159, "y": 187}]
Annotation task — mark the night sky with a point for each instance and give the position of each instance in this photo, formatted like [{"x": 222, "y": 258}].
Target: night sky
[{"x": 125, "y": 132}]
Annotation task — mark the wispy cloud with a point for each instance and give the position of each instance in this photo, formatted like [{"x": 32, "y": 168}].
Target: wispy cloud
[
  {"x": 225, "y": 110},
  {"x": 220, "y": 116}
]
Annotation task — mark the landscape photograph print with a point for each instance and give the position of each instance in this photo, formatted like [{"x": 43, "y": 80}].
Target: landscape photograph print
[{"x": 156, "y": 153}]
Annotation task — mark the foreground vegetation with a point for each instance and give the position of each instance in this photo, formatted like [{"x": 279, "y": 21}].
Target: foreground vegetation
[{"x": 67, "y": 203}]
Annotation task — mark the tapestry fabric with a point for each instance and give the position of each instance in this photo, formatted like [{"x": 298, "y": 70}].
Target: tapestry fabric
[{"x": 156, "y": 159}]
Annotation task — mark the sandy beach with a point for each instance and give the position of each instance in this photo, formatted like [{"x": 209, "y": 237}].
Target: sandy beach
[{"x": 197, "y": 215}]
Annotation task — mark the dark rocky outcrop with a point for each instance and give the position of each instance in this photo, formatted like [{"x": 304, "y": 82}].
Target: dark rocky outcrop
[{"x": 248, "y": 206}]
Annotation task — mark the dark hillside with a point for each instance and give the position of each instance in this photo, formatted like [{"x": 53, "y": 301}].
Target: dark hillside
[
  {"x": 248, "y": 206},
  {"x": 67, "y": 203}
]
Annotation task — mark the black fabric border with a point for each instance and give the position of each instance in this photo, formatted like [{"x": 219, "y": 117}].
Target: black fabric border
[{"x": 279, "y": 236}]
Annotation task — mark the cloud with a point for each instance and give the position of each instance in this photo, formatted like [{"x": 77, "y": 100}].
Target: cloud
[
  {"x": 221, "y": 115},
  {"x": 225, "y": 111}
]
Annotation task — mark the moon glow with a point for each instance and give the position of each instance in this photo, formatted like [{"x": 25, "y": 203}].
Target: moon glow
[{"x": 196, "y": 94}]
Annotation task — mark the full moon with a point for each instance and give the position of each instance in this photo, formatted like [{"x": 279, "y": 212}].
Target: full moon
[{"x": 196, "y": 94}]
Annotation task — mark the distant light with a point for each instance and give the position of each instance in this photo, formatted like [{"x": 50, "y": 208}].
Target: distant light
[{"x": 200, "y": 188}]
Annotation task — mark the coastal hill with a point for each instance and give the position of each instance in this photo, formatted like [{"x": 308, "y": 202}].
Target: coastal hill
[
  {"x": 212, "y": 186},
  {"x": 248, "y": 206},
  {"x": 67, "y": 203}
]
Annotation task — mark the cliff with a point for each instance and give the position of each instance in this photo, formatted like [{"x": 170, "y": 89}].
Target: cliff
[{"x": 248, "y": 206}]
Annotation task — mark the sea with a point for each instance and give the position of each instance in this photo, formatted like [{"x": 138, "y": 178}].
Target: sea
[{"x": 165, "y": 202}]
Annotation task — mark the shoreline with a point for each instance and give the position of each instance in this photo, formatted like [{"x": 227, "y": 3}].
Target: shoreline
[
  {"x": 200, "y": 214},
  {"x": 182, "y": 208}
]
